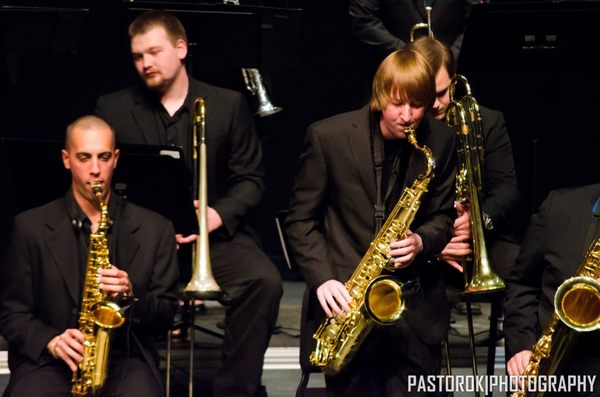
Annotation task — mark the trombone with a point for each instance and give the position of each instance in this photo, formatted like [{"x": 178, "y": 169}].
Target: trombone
[
  {"x": 465, "y": 117},
  {"x": 202, "y": 284}
]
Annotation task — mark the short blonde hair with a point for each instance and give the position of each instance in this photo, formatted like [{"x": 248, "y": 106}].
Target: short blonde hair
[{"x": 403, "y": 75}]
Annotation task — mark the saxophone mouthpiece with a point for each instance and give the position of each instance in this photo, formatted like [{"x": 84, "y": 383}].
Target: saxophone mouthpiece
[{"x": 96, "y": 187}]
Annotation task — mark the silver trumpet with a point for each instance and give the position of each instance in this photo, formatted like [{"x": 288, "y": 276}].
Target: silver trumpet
[{"x": 254, "y": 84}]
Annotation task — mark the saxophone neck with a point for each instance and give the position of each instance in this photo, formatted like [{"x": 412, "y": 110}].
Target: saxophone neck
[
  {"x": 104, "y": 221},
  {"x": 429, "y": 160}
]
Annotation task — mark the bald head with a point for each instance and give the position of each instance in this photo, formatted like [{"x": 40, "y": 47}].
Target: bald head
[
  {"x": 87, "y": 123},
  {"x": 91, "y": 156}
]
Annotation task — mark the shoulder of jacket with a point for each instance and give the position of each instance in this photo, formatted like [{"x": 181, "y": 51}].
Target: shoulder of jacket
[
  {"x": 41, "y": 214},
  {"x": 120, "y": 95},
  {"x": 570, "y": 195},
  {"x": 333, "y": 124},
  {"x": 142, "y": 214},
  {"x": 201, "y": 88}
]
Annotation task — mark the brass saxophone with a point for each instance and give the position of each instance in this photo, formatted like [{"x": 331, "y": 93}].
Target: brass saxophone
[
  {"x": 98, "y": 316},
  {"x": 376, "y": 298},
  {"x": 576, "y": 308}
]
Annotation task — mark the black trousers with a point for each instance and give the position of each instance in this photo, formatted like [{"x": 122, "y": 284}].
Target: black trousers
[
  {"x": 383, "y": 364},
  {"x": 127, "y": 377},
  {"x": 253, "y": 287}
]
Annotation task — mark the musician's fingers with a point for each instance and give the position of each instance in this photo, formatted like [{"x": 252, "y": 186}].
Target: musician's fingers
[
  {"x": 181, "y": 239},
  {"x": 77, "y": 335},
  {"x": 345, "y": 294},
  {"x": 341, "y": 300},
  {"x": 69, "y": 349},
  {"x": 454, "y": 264},
  {"x": 323, "y": 302},
  {"x": 333, "y": 304},
  {"x": 403, "y": 261},
  {"x": 457, "y": 250},
  {"x": 524, "y": 358},
  {"x": 325, "y": 308},
  {"x": 511, "y": 368},
  {"x": 460, "y": 239}
]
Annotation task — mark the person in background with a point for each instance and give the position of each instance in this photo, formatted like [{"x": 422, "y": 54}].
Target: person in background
[
  {"x": 159, "y": 111},
  {"x": 499, "y": 196}
]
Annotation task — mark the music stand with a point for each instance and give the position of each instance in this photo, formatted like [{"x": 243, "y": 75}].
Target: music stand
[
  {"x": 154, "y": 177},
  {"x": 250, "y": 35},
  {"x": 211, "y": 35}
]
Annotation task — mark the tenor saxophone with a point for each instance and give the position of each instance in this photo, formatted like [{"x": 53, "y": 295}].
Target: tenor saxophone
[
  {"x": 98, "y": 316},
  {"x": 376, "y": 297},
  {"x": 576, "y": 309}
]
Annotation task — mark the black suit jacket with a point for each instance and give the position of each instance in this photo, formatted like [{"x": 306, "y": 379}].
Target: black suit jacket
[
  {"x": 384, "y": 25},
  {"x": 331, "y": 223},
  {"x": 234, "y": 153},
  {"x": 552, "y": 251},
  {"x": 40, "y": 292},
  {"x": 500, "y": 193}
]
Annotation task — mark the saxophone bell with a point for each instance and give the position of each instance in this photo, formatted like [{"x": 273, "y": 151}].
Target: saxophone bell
[
  {"x": 384, "y": 303},
  {"x": 577, "y": 303}
]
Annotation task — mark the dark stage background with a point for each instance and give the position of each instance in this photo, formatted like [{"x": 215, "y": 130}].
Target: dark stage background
[{"x": 533, "y": 61}]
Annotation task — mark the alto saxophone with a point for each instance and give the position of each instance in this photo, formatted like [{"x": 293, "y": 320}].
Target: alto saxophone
[
  {"x": 576, "y": 308},
  {"x": 376, "y": 298},
  {"x": 98, "y": 316}
]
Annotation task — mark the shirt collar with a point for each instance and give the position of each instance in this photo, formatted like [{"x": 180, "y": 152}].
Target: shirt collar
[{"x": 79, "y": 218}]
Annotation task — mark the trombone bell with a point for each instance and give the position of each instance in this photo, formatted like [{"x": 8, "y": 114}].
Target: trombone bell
[{"x": 202, "y": 285}]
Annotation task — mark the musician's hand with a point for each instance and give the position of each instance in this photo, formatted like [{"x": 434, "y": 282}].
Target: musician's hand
[
  {"x": 214, "y": 222},
  {"x": 214, "y": 219},
  {"x": 334, "y": 297},
  {"x": 459, "y": 246},
  {"x": 185, "y": 240},
  {"x": 68, "y": 347},
  {"x": 115, "y": 281},
  {"x": 404, "y": 251},
  {"x": 462, "y": 224},
  {"x": 517, "y": 363}
]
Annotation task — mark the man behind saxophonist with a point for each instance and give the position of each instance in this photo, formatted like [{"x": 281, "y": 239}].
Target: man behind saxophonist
[
  {"x": 42, "y": 279},
  {"x": 332, "y": 220}
]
